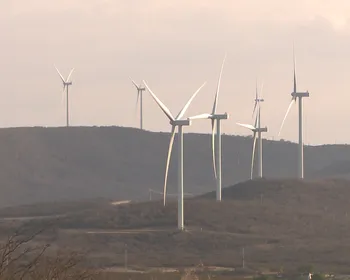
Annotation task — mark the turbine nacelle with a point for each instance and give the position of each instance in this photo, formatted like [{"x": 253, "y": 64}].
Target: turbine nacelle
[
  {"x": 253, "y": 128},
  {"x": 224, "y": 116},
  {"x": 138, "y": 87},
  {"x": 261, "y": 129},
  {"x": 300, "y": 94},
  {"x": 68, "y": 83},
  {"x": 180, "y": 122},
  {"x": 259, "y": 100}
]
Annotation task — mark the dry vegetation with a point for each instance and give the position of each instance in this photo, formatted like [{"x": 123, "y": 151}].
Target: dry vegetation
[
  {"x": 280, "y": 223},
  {"x": 21, "y": 258}
]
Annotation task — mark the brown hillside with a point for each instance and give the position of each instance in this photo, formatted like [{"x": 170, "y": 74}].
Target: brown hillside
[
  {"x": 78, "y": 163},
  {"x": 279, "y": 223}
]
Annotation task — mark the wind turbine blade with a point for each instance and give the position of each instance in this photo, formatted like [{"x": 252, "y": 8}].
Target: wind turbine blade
[
  {"x": 137, "y": 101},
  {"x": 137, "y": 87},
  {"x": 59, "y": 74},
  {"x": 168, "y": 160},
  {"x": 256, "y": 103},
  {"x": 160, "y": 103},
  {"x": 261, "y": 90},
  {"x": 218, "y": 88},
  {"x": 253, "y": 156},
  {"x": 295, "y": 77},
  {"x": 257, "y": 117},
  {"x": 285, "y": 116},
  {"x": 213, "y": 124},
  {"x": 201, "y": 116},
  {"x": 70, "y": 74},
  {"x": 256, "y": 97},
  {"x": 183, "y": 111},
  {"x": 249, "y": 126},
  {"x": 63, "y": 92}
]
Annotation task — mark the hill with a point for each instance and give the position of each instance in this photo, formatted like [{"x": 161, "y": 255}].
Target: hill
[
  {"x": 287, "y": 223},
  {"x": 78, "y": 163}
]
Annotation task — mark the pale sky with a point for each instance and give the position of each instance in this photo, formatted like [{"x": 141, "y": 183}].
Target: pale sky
[{"x": 176, "y": 45}]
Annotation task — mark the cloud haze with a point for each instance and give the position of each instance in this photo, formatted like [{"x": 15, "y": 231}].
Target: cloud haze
[{"x": 176, "y": 46}]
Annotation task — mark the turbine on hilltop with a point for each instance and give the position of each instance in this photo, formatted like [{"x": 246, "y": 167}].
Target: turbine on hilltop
[
  {"x": 257, "y": 129},
  {"x": 179, "y": 123},
  {"x": 297, "y": 95},
  {"x": 216, "y": 144},
  {"x": 140, "y": 90},
  {"x": 66, "y": 84}
]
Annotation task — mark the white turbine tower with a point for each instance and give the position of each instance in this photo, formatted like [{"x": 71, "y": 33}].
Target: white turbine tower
[
  {"x": 66, "y": 84},
  {"x": 216, "y": 144},
  {"x": 140, "y": 90},
  {"x": 295, "y": 94},
  {"x": 257, "y": 129},
  {"x": 179, "y": 123}
]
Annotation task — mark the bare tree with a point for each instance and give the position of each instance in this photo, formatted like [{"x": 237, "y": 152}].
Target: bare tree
[{"x": 19, "y": 259}]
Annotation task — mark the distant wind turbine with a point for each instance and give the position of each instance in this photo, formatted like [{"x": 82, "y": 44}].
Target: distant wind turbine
[
  {"x": 140, "y": 90},
  {"x": 66, "y": 84},
  {"x": 257, "y": 129},
  {"x": 216, "y": 145},
  {"x": 179, "y": 123},
  {"x": 298, "y": 95}
]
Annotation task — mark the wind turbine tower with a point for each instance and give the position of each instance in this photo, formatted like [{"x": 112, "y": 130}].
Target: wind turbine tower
[
  {"x": 259, "y": 129},
  {"x": 66, "y": 84},
  {"x": 216, "y": 138},
  {"x": 298, "y": 95},
  {"x": 179, "y": 123},
  {"x": 140, "y": 90}
]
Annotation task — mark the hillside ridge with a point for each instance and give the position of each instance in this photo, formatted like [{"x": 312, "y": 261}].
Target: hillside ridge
[{"x": 54, "y": 164}]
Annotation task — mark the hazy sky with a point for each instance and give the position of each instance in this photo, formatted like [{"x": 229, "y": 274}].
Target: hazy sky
[{"x": 176, "y": 45}]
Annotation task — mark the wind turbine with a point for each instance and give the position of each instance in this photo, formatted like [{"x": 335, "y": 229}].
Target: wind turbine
[
  {"x": 140, "y": 89},
  {"x": 295, "y": 94},
  {"x": 66, "y": 84},
  {"x": 179, "y": 123},
  {"x": 257, "y": 129},
  {"x": 216, "y": 144}
]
